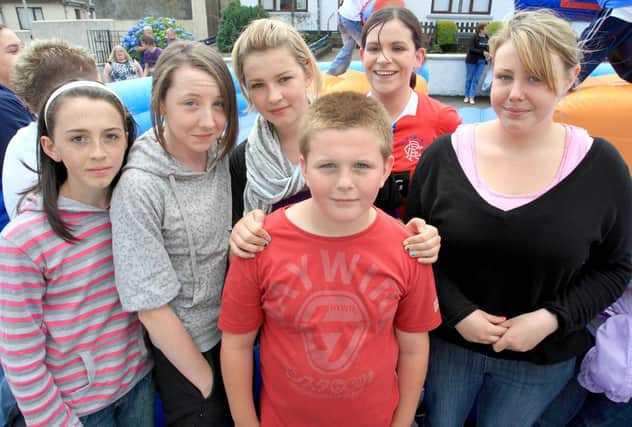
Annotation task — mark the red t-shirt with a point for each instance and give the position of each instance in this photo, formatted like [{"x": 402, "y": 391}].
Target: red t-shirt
[
  {"x": 412, "y": 134},
  {"x": 328, "y": 309}
]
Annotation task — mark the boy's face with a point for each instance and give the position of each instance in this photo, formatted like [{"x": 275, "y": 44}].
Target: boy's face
[{"x": 344, "y": 170}]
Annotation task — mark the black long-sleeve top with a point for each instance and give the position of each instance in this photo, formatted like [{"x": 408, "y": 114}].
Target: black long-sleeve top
[
  {"x": 568, "y": 251},
  {"x": 476, "y": 47}
]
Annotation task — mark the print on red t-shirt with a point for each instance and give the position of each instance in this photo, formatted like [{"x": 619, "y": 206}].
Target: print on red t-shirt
[{"x": 328, "y": 309}]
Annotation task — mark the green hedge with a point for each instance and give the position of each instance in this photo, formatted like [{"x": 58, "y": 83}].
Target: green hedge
[
  {"x": 234, "y": 19},
  {"x": 446, "y": 32},
  {"x": 493, "y": 27}
]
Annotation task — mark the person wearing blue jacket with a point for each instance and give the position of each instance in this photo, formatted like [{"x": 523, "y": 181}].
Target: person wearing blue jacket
[{"x": 609, "y": 36}]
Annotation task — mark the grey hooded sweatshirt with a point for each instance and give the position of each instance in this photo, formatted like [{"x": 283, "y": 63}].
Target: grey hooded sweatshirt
[{"x": 170, "y": 230}]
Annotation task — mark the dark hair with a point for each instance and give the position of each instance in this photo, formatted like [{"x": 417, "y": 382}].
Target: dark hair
[
  {"x": 391, "y": 13},
  {"x": 149, "y": 40},
  {"x": 51, "y": 174},
  {"x": 480, "y": 26},
  {"x": 203, "y": 58}
]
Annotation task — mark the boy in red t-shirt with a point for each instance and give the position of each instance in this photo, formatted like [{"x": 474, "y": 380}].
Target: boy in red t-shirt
[{"x": 343, "y": 312}]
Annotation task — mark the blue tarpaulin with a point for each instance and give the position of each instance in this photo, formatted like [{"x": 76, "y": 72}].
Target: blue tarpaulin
[{"x": 584, "y": 10}]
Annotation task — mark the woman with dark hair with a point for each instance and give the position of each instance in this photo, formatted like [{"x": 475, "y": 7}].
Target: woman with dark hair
[
  {"x": 391, "y": 49},
  {"x": 475, "y": 60}
]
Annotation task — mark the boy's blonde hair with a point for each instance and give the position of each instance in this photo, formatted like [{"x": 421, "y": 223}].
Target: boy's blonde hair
[
  {"x": 264, "y": 34},
  {"x": 343, "y": 111},
  {"x": 45, "y": 64},
  {"x": 537, "y": 35}
]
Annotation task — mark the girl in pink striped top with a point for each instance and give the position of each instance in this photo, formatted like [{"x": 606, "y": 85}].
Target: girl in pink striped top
[{"x": 71, "y": 355}]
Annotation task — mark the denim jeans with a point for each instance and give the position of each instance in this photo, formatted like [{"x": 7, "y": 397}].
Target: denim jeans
[
  {"x": 577, "y": 407},
  {"x": 135, "y": 409},
  {"x": 565, "y": 406},
  {"x": 510, "y": 393},
  {"x": 350, "y": 32},
  {"x": 599, "y": 411},
  {"x": 473, "y": 73},
  {"x": 8, "y": 406}
]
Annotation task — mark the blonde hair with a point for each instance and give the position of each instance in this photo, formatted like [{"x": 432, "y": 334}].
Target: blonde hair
[
  {"x": 200, "y": 57},
  {"x": 343, "y": 111},
  {"x": 264, "y": 34},
  {"x": 112, "y": 56},
  {"x": 45, "y": 64},
  {"x": 537, "y": 35}
]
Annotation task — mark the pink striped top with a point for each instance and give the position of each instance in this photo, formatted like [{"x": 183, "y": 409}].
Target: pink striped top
[
  {"x": 577, "y": 144},
  {"x": 66, "y": 346}
]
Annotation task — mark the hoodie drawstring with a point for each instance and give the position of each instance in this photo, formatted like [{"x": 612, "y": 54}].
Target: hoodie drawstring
[{"x": 194, "y": 263}]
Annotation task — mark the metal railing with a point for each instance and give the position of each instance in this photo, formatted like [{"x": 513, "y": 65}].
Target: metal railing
[{"x": 101, "y": 43}]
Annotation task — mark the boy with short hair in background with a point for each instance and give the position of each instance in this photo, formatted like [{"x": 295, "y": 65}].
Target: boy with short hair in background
[
  {"x": 343, "y": 311},
  {"x": 150, "y": 54}
]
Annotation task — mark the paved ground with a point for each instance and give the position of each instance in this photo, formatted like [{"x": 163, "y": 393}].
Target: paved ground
[
  {"x": 457, "y": 101},
  {"x": 453, "y": 101}
]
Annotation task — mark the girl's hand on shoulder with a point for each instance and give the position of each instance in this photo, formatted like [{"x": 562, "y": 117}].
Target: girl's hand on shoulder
[
  {"x": 248, "y": 236},
  {"x": 527, "y": 330},
  {"x": 481, "y": 327},
  {"x": 426, "y": 242}
]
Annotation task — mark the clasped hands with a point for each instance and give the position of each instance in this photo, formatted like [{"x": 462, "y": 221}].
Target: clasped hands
[{"x": 520, "y": 333}]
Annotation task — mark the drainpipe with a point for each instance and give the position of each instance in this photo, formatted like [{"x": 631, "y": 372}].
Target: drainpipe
[
  {"x": 318, "y": 5},
  {"x": 26, "y": 12},
  {"x": 65, "y": 4}
]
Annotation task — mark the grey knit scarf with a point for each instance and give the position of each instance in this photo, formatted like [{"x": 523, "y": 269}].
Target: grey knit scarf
[{"x": 271, "y": 177}]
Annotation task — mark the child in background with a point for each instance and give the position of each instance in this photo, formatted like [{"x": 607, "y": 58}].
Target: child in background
[
  {"x": 343, "y": 326},
  {"x": 173, "y": 201},
  {"x": 390, "y": 50},
  {"x": 71, "y": 355},
  {"x": 475, "y": 60},
  {"x": 150, "y": 54}
]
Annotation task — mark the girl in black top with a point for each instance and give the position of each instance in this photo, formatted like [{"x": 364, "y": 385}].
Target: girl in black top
[
  {"x": 531, "y": 251},
  {"x": 477, "y": 55}
]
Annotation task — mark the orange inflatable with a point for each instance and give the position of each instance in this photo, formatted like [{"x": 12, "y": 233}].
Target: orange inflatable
[
  {"x": 356, "y": 81},
  {"x": 601, "y": 105}
]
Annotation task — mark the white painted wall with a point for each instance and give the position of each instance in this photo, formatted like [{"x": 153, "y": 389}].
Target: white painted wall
[
  {"x": 197, "y": 25},
  {"x": 51, "y": 11},
  {"x": 308, "y": 20},
  {"x": 74, "y": 31}
]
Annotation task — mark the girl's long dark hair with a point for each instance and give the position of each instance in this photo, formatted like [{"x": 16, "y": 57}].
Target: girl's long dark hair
[
  {"x": 52, "y": 174},
  {"x": 406, "y": 17}
]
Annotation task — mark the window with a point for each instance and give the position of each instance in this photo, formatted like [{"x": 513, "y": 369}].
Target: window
[
  {"x": 284, "y": 5},
  {"x": 77, "y": 13},
  {"x": 28, "y": 15},
  {"x": 481, "y": 7}
]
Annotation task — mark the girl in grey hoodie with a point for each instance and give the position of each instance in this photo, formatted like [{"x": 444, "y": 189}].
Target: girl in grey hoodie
[{"x": 171, "y": 219}]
